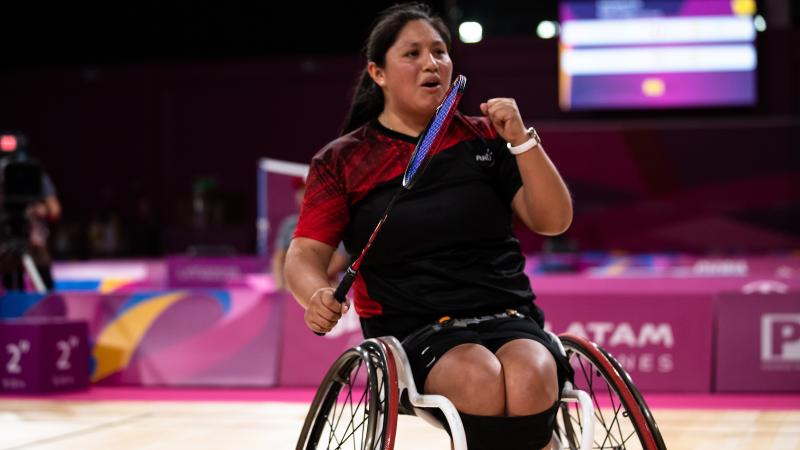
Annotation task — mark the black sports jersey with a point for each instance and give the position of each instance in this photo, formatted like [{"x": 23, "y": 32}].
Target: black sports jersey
[{"x": 447, "y": 247}]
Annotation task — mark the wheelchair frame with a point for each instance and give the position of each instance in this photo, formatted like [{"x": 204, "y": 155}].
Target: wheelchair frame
[{"x": 392, "y": 391}]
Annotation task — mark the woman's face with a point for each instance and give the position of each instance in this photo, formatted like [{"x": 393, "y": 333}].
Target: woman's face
[{"x": 417, "y": 71}]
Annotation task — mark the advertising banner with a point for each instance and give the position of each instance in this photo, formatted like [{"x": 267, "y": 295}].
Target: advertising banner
[{"x": 758, "y": 342}]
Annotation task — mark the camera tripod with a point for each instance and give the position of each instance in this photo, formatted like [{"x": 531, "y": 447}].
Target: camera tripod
[{"x": 18, "y": 263}]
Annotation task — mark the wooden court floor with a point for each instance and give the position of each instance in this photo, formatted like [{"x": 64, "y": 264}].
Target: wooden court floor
[{"x": 205, "y": 425}]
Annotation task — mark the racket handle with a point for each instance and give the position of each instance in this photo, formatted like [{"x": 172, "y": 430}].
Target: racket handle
[{"x": 344, "y": 287}]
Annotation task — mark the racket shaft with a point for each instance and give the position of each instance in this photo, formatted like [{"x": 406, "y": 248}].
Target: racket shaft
[{"x": 352, "y": 271}]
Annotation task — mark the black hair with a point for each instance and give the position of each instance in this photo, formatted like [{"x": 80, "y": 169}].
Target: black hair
[{"x": 368, "y": 99}]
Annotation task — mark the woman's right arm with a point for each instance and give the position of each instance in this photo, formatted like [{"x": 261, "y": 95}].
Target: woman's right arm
[{"x": 306, "y": 275}]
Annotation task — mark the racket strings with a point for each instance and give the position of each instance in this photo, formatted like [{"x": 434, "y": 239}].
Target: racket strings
[{"x": 432, "y": 134}]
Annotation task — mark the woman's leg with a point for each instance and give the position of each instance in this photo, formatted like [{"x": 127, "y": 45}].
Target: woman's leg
[
  {"x": 497, "y": 401},
  {"x": 531, "y": 378},
  {"x": 471, "y": 377}
]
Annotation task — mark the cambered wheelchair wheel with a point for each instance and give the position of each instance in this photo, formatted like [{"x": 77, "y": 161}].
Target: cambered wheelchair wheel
[
  {"x": 356, "y": 405},
  {"x": 622, "y": 419}
]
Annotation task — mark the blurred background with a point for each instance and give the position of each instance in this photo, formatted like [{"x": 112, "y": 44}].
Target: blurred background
[
  {"x": 150, "y": 118},
  {"x": 172, "y": 135}
]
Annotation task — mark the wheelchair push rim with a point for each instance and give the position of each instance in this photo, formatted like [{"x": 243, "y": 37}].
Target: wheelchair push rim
[
  {"x": 622, "y": 417},
  {"x": 356, "y": 403}
]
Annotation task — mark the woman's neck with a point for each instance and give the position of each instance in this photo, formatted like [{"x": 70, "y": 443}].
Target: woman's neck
[{"x": 402, "y": 124}]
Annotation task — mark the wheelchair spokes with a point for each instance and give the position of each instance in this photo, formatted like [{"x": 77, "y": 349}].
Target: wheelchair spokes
[
  {"x": 613, "y": 429},
  {"x": 621, "y": 417},
  {"x": 341, "y": 432},
  {"x": 349, "y": 410}
]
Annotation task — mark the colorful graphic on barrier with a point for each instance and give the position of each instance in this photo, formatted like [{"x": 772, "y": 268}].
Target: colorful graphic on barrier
[
  {"x": 191, "y": 337},
  {"x": 115, "y": 345}
]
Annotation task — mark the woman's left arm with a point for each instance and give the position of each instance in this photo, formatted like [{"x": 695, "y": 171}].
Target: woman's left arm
[{"x": 543, "y": 202}]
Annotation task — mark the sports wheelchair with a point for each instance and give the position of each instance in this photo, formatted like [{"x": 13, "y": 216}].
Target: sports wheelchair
[{"x": 358, "y": 402}]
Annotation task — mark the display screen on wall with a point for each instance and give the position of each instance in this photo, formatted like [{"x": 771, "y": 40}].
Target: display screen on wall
[{"x": 642, "y": 54}]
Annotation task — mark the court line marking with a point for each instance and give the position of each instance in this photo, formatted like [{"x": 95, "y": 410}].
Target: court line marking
[{"x": 85, "y": 431}]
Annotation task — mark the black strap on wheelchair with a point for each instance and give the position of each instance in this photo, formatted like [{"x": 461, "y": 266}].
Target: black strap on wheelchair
[{"x": 448, "y": 321}]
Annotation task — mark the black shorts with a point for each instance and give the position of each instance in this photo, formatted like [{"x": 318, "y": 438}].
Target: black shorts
[{"x": 427, "y": 344}]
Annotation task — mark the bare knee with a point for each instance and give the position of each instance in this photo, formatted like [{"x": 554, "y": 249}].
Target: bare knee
[
  {"x": 530, "y": 375},
  {"x": 472, "y": 378}
]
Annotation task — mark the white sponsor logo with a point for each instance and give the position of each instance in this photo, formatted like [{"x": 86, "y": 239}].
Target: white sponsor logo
[
  {"x": 207, "y": 273},
  {"x": 615, "y": 337},
  {"x": 646, "y": 362},
  {"x": 15, "y": 352},
  {"x": 720, "y": 267},
  {"x": 765, "y": 287},
  {"x": 612, "y": 334},
  {"x": 784, "y": 272},
  {"x": 65, "y": 348},
  {"x": 780, "y": 337}
]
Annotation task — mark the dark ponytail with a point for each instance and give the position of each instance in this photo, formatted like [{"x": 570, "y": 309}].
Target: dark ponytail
[
  {"x": 367, "y": 103},
  {"x": 368, "y": 99}
]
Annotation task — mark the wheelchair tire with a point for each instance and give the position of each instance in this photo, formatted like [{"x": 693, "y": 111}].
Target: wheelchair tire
[
  {"x": 631, "y": 424},
  {"x": 356, "y": 403}
]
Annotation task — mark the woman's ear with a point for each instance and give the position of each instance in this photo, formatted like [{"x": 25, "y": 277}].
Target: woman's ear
[{"x": 376, "y": 73}]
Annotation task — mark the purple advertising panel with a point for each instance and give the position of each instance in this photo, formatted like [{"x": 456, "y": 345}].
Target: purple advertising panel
[
  {"x": 214, "y": 273},
  {"x": 43, "y": 355},
  {"x": 662, "y": 340},
  {"x": 306, "y": 357},
  {"x": 758, "y": 342}
]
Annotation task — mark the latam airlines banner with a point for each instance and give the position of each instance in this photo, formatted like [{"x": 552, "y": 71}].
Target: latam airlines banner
[{"x": 664, "y": 341}]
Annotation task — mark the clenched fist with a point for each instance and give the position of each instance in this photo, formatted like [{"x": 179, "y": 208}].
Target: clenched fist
[{"x": 504, "y": 115}]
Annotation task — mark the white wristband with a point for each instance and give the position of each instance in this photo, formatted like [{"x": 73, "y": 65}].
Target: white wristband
[{"x": 527, "y": 145}]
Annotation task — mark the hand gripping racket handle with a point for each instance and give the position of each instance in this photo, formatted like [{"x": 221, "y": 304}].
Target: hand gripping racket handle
[{"x": 344, "y": 287}]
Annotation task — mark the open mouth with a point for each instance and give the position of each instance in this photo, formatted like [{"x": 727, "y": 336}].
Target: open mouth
[{"x": 431, "y": 84}]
